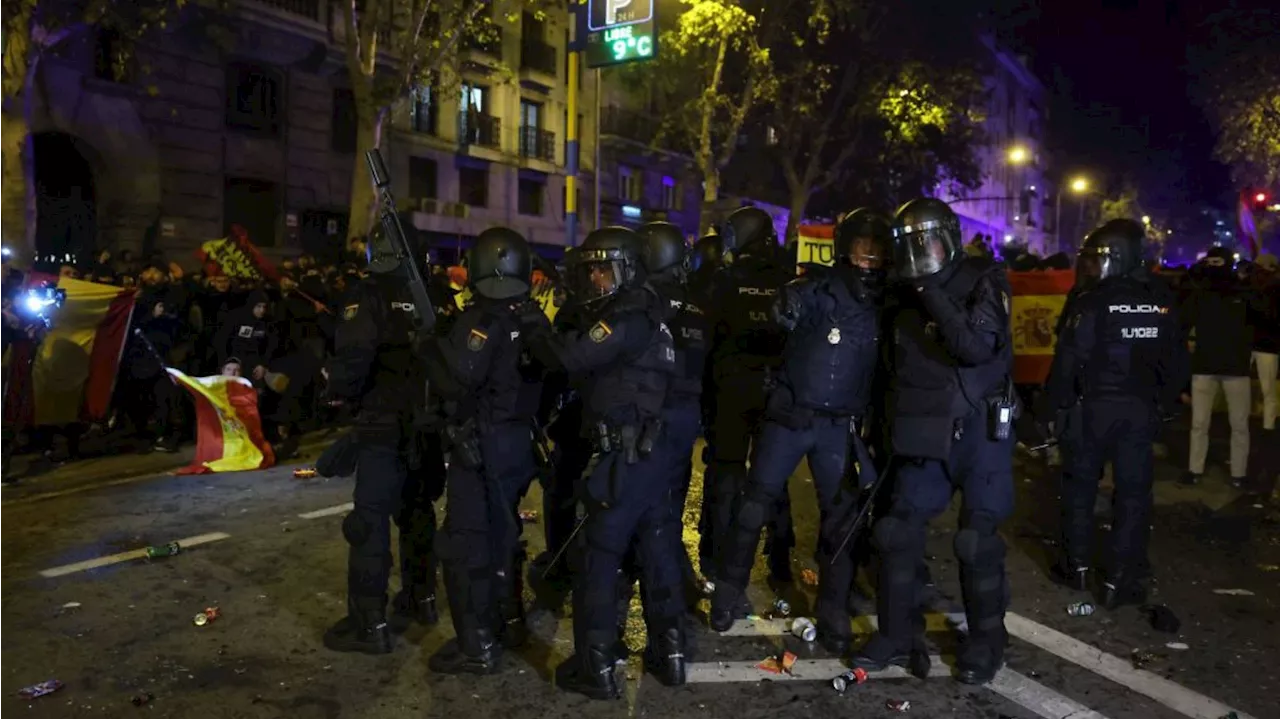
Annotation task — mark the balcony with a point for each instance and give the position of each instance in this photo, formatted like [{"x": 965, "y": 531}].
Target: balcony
[
  {"x": 537, "y": 143},
  {"x": 486, "y": 40},
  {"x": 476, "y": 128},
  {"x": 628, "y": 124},
  {"x": 538, "y": 56},
  {"x": 309, "y": 9}
]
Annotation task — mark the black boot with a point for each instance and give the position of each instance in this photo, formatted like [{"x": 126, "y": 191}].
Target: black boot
[
  {"x": 514, "y": 632},
  {"x": 728, "y": 604},
  {"x": 978, "y": 661},
  {"x": 1070, "y": 575},
  {"x": 879, "y": 653},
  {"x": 1121, "y": 590},
  {"x": 664, "y": 657},
  {"x": 414, "y": 604},
  {"x": 364, "y": 629},
  {"x": 591, "y": 674},
  {"x": 474, "y": 652}
]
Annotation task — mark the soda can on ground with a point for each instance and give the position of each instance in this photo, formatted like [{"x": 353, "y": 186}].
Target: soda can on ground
[{"x": 803, "y": 628}]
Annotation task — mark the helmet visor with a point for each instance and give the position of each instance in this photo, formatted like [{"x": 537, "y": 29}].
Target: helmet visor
[
  {"x": 920, "y": 251},
  {"x": 1095, "y": 263},
  {"x": 596, "y": 274}
]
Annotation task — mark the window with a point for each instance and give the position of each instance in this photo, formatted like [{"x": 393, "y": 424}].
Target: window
[
  {"x": 111, "y": 62},
  {"x": 423, "y": 114},
  {"x": 628, "y": 183},
  {"x": 343, "y": 137},
  {"x": 670, "y": 193},
  {"x": 473, "y": 186},
  {"x": 253, "y": 99},
  {"x": 475, "y": 98},
  {"x": 476, "y": 125},
  {"x": 254, "y": 205},
  {"x": 422, "y": 178},
  {"x": 530, "y": 114},
  {"x": 529, "y": 197}
]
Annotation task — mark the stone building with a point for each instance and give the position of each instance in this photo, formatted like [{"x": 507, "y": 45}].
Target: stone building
[{"x": 252, "y": 123}]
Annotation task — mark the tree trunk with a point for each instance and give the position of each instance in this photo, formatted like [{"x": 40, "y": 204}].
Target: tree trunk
[
  {"x": 799, "y": 203},
  {"x": 364, "y": 200},
  {"x": 710, "y": 193},
  {"x": 14, "y": 187}
]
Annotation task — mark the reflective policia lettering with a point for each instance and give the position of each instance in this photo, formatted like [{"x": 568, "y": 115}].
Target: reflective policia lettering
[
  {"x": 757, "y": 291},
  {"x": 1138, "y": 309},
  {"x": 1140, "y": 333},
  {"x": 402, "y": 306}
]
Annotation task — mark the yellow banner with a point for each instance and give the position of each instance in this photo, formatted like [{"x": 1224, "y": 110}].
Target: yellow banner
[{"x": 814, "y": 246}]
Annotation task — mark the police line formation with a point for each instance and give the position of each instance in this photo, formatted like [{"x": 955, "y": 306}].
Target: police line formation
[{"x": 890, "y": 372}]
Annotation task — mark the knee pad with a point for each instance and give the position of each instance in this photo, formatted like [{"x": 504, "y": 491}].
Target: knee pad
[
  {"x": 977, "y": 544},
  {"x": 896, "y": 534},
  {"x": 356, "y": 527}
]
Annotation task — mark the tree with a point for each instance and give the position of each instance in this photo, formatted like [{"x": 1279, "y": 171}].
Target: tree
[
  {"x": 714, "y": 67},
  {"x": 32, "y": 30},
  {"x": 1238, "y": 71},
  {"x": 1123, "y": 206},
  {"x": 854, "y": 87},
  {"x": 392, "y": 47}
]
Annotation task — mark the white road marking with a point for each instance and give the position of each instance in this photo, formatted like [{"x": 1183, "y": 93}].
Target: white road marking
[
  {"x": 328, "y": 511},
  {"x": 806, "y": 670},
  {"x": 1171, "y": 694},
  {"x": 129, "y": 555},
  {"x": 1038, "y": 698}
]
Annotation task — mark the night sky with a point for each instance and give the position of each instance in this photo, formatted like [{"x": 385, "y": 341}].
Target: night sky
[{"x": 1123, "y": 107}]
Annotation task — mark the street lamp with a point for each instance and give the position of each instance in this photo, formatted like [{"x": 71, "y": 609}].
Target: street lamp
[
  {"x": 1146, "y": 219},
  {"x": 1018, "y": 155},
  {"x": 1079, "y": 185}
]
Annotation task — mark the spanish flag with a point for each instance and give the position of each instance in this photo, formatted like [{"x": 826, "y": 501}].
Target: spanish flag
[
  {"x": 1038, "y": 299},
  {"x": 73, "y": 373},
  {"x": 228, "y": 428}
]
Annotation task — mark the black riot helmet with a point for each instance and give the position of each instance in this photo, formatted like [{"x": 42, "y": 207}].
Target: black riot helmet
[
  {"x": 749, "y": 231},
  {"x": 500, "y": 264},
  {"x": 1112, "y": 250},
  {"x": 926, "y": 238},
  {"x": 607, "y": 262},
  {"x": 708, "y": 253},
  {"x": 664, "y": 250},
  {"x": 381, "y": 253},
  {"x": 864, "y": 241}
]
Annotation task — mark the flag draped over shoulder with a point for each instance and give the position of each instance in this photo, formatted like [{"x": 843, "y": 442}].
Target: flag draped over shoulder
[
  {"x": 228, "y": 428},
  {"x": 1038, "y": 299},
  {"x": 73, "y": 373}
]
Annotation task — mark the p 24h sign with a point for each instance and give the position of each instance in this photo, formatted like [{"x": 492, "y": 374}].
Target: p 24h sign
[{"x": 620, "y": 31}]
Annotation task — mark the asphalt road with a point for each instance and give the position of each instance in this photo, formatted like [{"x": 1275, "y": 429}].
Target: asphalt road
[{"x": 269, "y": 555}]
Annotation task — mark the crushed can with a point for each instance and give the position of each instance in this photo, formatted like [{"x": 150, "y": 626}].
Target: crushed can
[
  {"x": 848, "y": 679},
  {"x": 803, "y": 628},
  {"x": 898, "y": 705},
  {"x": 1080, "y": 609},
  {"x": 41, "y": 689},
  {"x": 781, "y": 607},
  {"x": 304, "y": 473},
  {"x": 163, "y": 550},
  {"x": 208, "y": 615}
]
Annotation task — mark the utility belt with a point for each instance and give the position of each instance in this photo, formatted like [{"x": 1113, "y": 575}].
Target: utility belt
[
  {"x": 634, "y": 441},
  {"x": 464, "y": 441}
]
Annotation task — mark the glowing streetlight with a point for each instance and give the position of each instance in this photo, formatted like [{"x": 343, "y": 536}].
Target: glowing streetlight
[
  {"x": 1146, "y": 219},
  {"x": 1079, "y": 185},
  {"x": 1018, "y": 155}
]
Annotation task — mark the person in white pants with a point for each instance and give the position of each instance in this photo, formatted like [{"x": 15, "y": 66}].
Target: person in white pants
[{"x": 1218, "y": 311}]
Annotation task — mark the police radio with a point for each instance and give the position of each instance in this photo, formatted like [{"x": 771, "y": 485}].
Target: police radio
[{"x": 1003, "y": 411}]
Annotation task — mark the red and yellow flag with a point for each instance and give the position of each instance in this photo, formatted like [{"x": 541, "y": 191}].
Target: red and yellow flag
[
  {"x": 1038, "y": 299},
  {"x": 228, "y": 429},
  {"x": 73, "y": 373}
]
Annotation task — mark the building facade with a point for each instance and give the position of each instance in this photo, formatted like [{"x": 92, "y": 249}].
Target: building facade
[
  {"x": 192, "y": 136},
  {"x": 1013, "y": 203}
]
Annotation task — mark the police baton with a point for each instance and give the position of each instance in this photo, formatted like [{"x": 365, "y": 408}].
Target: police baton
[
  {"x": 1055, "y": 441},
  {"x": 865, "y": 512},
  {"x": 151, "y": 349}
]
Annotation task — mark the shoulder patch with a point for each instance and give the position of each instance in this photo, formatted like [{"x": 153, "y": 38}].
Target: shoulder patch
[
  {"x": 476, "y": 340},
  {"x": 349, "y": 312},
  {"x": 599, "y": 332}
]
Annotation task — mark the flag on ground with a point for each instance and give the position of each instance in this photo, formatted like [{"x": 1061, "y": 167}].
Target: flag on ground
[
  {"x": 228, "y": 428},
  {"x": 73, "y": 373}
]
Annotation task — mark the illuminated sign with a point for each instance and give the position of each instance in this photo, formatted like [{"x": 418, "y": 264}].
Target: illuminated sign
[{"x": 620, "y": 31}]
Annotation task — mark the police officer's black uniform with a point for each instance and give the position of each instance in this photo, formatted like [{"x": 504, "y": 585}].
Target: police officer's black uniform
[
  {"x": 376, "y": 369},
  {"x": 706, "y": 259},
  {"x": 491, "y": 390},
  {"x": 624, "y": 363},
  {"x": 747, "y": 346},
  {"x": 1120, "y": 362},
  {"x": 951, "y": 407},
  {"x": 820, "y": 396}
]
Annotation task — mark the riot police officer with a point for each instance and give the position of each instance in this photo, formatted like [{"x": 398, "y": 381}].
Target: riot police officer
[
  {"x": 746, "y": 347},
  {"x": 623, "y": 364},
  {"x": 705, "y": 261},
  {"x": 1120, "y": 362},
  {"x": 951, "y": 407},
  {"x": 374, "y": 367},
  {"x": 815, "y": 407},
  {"x": 490, "y": 387},
  {"x": 666, "y": 261}
]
